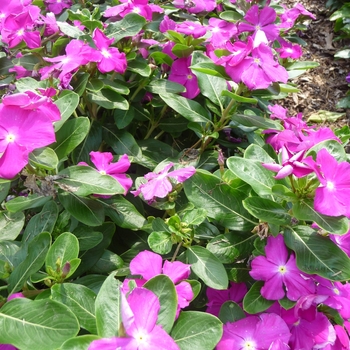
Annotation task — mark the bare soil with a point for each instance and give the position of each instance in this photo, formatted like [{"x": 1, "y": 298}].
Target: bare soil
[{"x": 322, "y": 87}]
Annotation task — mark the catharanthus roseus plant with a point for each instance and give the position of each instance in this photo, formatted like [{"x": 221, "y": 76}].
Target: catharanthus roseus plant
[{"x": 154, "y": 192}]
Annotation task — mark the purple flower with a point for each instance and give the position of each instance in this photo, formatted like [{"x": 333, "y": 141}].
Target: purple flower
[
  {"x": 260, "y": 21},
  {"x": 57, "y": 6},
  {"x": 191, "y": 28},
  {"x": 103, "y": 163},
  {"x": 332, "y": 197},
  {"x": 196, "y": 6},
  {"x": 182, "y": 74},
  {"x": 259, "y": 70},
  {"x": 159, "y": 185},
  {"x": 291, "y": 164},
  {"x": 139, "y": 316},
  {"x": 110, "y": 57},
  {"x": 342, "y": 241},
  {"x": 221, "y": 31},
  {"x": 288, "y": 50},
  {"x": 262, "y": 332},
  {"x": 278, "y": 271},
  {"x": 216, "y": 298}
]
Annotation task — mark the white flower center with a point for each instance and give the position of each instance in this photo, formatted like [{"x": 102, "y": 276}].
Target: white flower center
[
  {"x": 20, "y": 32},
  {"x": 10, "y": 138},
  {"x": 105, "y": 53},
  {"x": 336, "y": 291},
  {"x": 282, "y": 269},
  {"x": 141, "y": 337},
  {"x": 330, "y": 185},
  {"x": 136, "y": 10},
  {"x": 249, "y": 345},
  {"x": 103, "y": 172}
]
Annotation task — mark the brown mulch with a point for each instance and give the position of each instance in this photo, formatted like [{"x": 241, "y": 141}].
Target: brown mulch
[{"x": 322, "y": 87}]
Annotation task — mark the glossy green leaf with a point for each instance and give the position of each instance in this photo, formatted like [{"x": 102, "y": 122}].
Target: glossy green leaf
[
  {"x": 130, "y": 25},
  {"x": 22, "y": 203},
  {"x": 256, "y": 121},
  {"x": 267, "y": 210},
  {"x": 160, "y": 242},
  {"x": 37, "y": 250},
  {"x": 167, "y": 86},
  {"x": 80, "y": 300},
  {"x": 239, "y": 98},
  {"x": 322, "y": 116},
  {"x": 87, "y": 237},
  {"x": 88, "y": 211},
  {"x": 189, "y": 109},
  {"x": 257, "y": 153},
  {"x": 69, "y": 30},
  {"x": 45, "y": 324},
  {"x": 79, "y": 343},
  {"x": 108, "y": 308},
  {"x": 70, "y": 135},
  {"x": 164, "y": 289},
  {"x": 207, "y": 267},
  {"x": 85, "y": 180},
  {"x": 230, "y": 312},
  {"x": 333, "y": 147},
  {"x": 222, "y": 202},
  {"x": 253, "y": 173},
  {"x": 63, "y": 250},
  {"x": 316, "y": 254},
  {"x": 43, "y": 158},
  {"x": 67, "y": 104},
  {"x": 45, "y": 220},
  {"x": 11, "y": 225},
  {"x": 108, "y": 262},
  {"x": 108, "y": 99},
  {"x": 254, "y": 302},
  {"x": 196, "y": 330},
  {"x": 124, "y": 213},
  {"x": 304, "y": 210}
]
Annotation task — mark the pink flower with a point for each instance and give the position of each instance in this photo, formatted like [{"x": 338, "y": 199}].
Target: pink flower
[
  {"x": 332, "y": 197},
  {"x": 221, "y": 31},
  {"x": 260, "y": 20},
  {"x": 57, "y": 6},
  {"x": 159, "y": 185},
  {"x": 279, "y": 271},
  {"x": 258, "y": 71},
  {"x": 262, "y": 332},
  {"x": 148, "y": 265},
  {"x": 196, "y": 6},
  {"x": 191, "y": 28},
  {"x": 288, "y": 50},
  {"x": 182, "y": 74},
  {"x": 110, "y": 57},
  {"x": 139, "y": 316},
  {"x": 19, "y": 135},
  {"x": 342, "y": 241},
  {"x": 103, "y": 163}
]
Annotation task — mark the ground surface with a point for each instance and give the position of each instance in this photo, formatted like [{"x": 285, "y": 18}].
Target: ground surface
[{"x": 322, "y": 87}]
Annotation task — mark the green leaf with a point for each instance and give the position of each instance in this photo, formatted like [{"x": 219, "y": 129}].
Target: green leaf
[
  {"x": 86, "y": 180},
  {"x": 239, "y": 98},
  {"x": 22, "y": 203},
  {"x": 43, "y": 221},
  {"x": 122, "y": 142},
  {"x": 160, "y": 242},
  {"x": 70, "y": 135},
  {"x": 108, "y": 308},
  {"x": 37, "y": 250},
  {"x": 123, "y": 118},
  {"x": 210, "y": 68},
  {"x": 256, "y": 121},
  {"x": 167, "y": 86},
  {"x": 43, "y": 158},
  {"x": 108, "y": 262},
  {"x": 253, "y": 173},
  {"x": 254, "y": 302},
  {"x": 304, "y": 210},
  {"x": 230, "y": 312},
  {"x": 67, "y": 104},
  {"x": 80, "y": 300},
  {"x": 189, "y": 109},
  {"x": 45, "y": 324},
  {"x": 301, "y": 65},
  {"x": 108, "y": 99},
  {"x": 222, "y": 202},
  {"x": 268, "y": 211},
  {"x": 69, "y": 30},
  {"x": 11, "y": 225},
  {"x": 130, "y": 25},
  {"x": 231, "y": 16},
  {"x": 87, "y": 237},
  {"x": 257, "y": 153},
  {"x": 88, "y": 211},
  {"x": 333, "y": 147},
  {"x": 164, "y": 289},
  {"x": 196, "y": 330},
  {"x": 140, "y": 66},
  {"x": 207, "y": 267},
  {"x": 79, "y": 343},
  {"x": 63, "y": 250},
  {"x": 124, "y": 213},
  {"x": 316, "y": 254}
]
